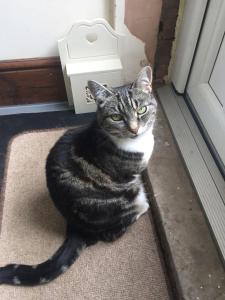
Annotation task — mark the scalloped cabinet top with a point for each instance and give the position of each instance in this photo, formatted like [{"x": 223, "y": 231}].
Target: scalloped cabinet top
[{"x": 90, "y": 51}]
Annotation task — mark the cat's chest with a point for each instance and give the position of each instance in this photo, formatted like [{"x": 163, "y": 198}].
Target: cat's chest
[{"x": 141, "y": 144}]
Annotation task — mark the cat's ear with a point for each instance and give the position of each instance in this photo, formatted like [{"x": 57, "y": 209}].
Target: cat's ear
[
  {"x": 99, "y": 92},
  {"x": 144, "y": 80}
]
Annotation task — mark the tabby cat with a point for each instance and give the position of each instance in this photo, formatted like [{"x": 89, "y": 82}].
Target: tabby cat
[{"x": 93, "y": 176}]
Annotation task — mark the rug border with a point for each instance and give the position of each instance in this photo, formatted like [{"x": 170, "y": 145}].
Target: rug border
[
  {"x": 146, "y": 184},
  {"x": 7, "y": 157}
]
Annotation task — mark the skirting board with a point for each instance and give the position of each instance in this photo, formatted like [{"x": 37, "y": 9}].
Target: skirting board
[
  {"x": 31, "y": 81},
  {"x": 34, "y": 108},
  {"x": 205, "y": 175}
]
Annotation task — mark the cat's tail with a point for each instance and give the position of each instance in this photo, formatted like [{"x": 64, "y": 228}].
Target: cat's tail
[{"x": 27, "y": 275}]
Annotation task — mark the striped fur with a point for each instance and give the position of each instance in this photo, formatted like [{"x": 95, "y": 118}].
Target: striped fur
[{"x": 93, "y": 177}]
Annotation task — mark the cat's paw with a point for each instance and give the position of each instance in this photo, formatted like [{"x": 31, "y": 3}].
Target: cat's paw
[
  {"x": 143, "y": 209},
  {"x": 141, "y": 202}
]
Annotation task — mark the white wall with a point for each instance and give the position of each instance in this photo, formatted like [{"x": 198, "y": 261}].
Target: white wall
[{"x": 30, "y": 28}]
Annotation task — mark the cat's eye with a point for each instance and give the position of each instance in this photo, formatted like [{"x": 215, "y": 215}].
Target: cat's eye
[
  {"x": 142, "y": 110},
  {"x": 116, "y": 117}
]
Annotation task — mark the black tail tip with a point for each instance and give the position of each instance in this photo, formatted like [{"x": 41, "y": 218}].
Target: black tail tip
[{"x": 6, "y": 273}]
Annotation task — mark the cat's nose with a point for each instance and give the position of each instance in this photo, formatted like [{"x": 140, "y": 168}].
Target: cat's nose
[
  {"x": 133, "y": 127},
  {"x": 134, "y": 130}
]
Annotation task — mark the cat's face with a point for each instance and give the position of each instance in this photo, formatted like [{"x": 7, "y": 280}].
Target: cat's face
[{"x": 128, "y": 111}]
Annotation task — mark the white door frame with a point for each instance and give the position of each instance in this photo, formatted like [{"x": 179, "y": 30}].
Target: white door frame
[
  {"x": 199, "y": 90},
  {"x": 186, "y": 42}
]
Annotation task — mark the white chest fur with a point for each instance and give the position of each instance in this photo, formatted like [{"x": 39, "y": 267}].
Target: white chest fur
[{"x": 143, "y": 143}]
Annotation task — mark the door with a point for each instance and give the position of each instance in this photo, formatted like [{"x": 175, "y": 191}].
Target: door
[{"x": 206, "y": 86}]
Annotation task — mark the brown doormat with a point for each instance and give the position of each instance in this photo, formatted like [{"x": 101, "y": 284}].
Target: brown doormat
[{"x": 32, "y": 229}]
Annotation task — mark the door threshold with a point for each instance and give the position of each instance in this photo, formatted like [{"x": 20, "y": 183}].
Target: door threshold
[
  {"x": 34, "y": 108},
  {"x": 205, "y": 175}
]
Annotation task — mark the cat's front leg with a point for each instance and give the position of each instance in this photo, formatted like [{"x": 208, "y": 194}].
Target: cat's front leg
[{"x": 141, "y": 201}]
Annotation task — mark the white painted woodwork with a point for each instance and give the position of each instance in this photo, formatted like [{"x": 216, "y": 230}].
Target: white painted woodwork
[
  {"x": 206, "y": 103},
  {"x": 186, "y": 42},
  {"x": 90, "y": 51},
  {"x": 217, "y": 79}
]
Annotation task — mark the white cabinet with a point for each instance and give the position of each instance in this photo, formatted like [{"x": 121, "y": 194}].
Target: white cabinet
[{"x": 90, "y": 51}]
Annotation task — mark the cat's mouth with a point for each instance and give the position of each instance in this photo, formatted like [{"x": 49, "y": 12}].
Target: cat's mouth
[{"x": 134, "y": 135}]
